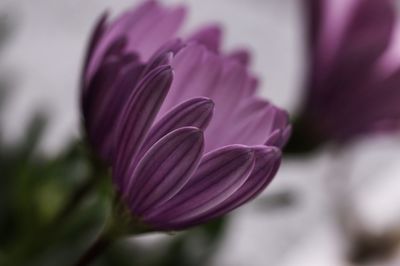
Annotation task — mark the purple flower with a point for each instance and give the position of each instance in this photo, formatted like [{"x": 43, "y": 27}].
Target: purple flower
[
  {"x": 354, "y": 74},
  {"x": 179, "y": 122}
]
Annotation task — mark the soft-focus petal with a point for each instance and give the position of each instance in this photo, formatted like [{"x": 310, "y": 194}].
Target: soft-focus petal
[
  {"x": 210, "y": 36},
  {"x": 92, "y": 97},
  {"x": 162, "y": 29},
  {"x": 106, "y": 104},
  {"x": 97, "y": 33},
  {"x": 241, "y": 55},
  {"x": 146, "y": 28},
  {"x": 349, "y": 58}
]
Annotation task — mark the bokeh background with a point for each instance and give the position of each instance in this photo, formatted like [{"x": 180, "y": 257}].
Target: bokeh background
[{"x": 296, "y": 221}]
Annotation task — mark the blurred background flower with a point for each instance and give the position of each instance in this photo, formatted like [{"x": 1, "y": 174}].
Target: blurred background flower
[{"x": 353, "y": 78}]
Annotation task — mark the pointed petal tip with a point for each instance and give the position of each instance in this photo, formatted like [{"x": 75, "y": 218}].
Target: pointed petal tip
[
  {"x": 243, "y": 151},
  {"x": 214, "y": 28},
  {"x": 181, "y": 10},
  {"x": 208, "y": 104},
  {"x": 194, "y": 133},
  {"x": 164, "y": 72},
  {"x": 104, "y": 16},
  {"x": 269, "y": 148}
]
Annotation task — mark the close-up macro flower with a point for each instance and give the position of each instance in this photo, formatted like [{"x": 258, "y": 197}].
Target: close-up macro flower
[
  {"x": 185, "y": 135},
  {"x": 199, "y": 133}
]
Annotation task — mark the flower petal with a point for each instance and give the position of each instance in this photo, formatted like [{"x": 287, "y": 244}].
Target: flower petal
[
  {"x": 267, "y": 162},
  {"x": 137, "y": 117},
  {"x": 195, "y": 112},
  {"x": 199, "y": 72},
  {"x": 165, "y": 169},
  {"x": 219, "y": 175},
  {"x": 145, "y": 27},
  {"x": 92, "y": 98},
  {"x": 367, "y": 36},
  {"x": 252, "y": 123},
  {"x": 185, "y": 65},
  {"x": 241, "y": 55},
  {"x": 112, "y": 102},
  {"x": 210, "y": 36},
  {"x": 96, "y": 35},
  {"x": 158, "y": 29},
  {"x": 164, "y": 55}
]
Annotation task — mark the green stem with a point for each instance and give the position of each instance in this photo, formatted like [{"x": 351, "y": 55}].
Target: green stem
[
  {"x": 75, "y": 200},
  {"x": 97, "y": 248},
  {"x": 81, "y": 192}
]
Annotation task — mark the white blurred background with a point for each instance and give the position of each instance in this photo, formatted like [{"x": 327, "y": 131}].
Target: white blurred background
[{"x": 45, "y": 52}]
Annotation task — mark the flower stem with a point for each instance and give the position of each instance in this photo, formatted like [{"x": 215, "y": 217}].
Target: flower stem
[
  {"x": 75, "y": 199},
  {"x": 96, "y": 249},
  {"x": 85, "y": 188}
]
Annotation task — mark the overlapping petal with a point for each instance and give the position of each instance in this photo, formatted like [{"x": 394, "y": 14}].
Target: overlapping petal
[
  {"x": 220, "y": 174},
  {"x": 137, "y": 117},
  {"x": 165, "y": 169},
  {"x": 200, "y": 72},
  {"x": 267, "y": 162},
  {"x": 209, "y": 36},
  {"x": 145, "y": 28}
]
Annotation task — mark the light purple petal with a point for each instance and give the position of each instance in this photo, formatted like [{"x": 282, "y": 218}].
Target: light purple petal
[
  {"x": 165, "y": 169},
  {"x": 185, "y": 65},
  {"x": 279, "y": 137},
  {"x": 117, "y": 29},
  {"x": 145, "y": 27},
  {"x": 137, "y": 117},
  {"x": 242, "y": 56},
  {"x": 164, "y": 55},
  {"x": 210, "y": 36},
  {"x": 233, "y": 81},
  {"x": 160, "y": 28},
  {"x": 252, "y": 123},
  {"x": 199, "y": 72},
  {"x": 220, "y": 174}
]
